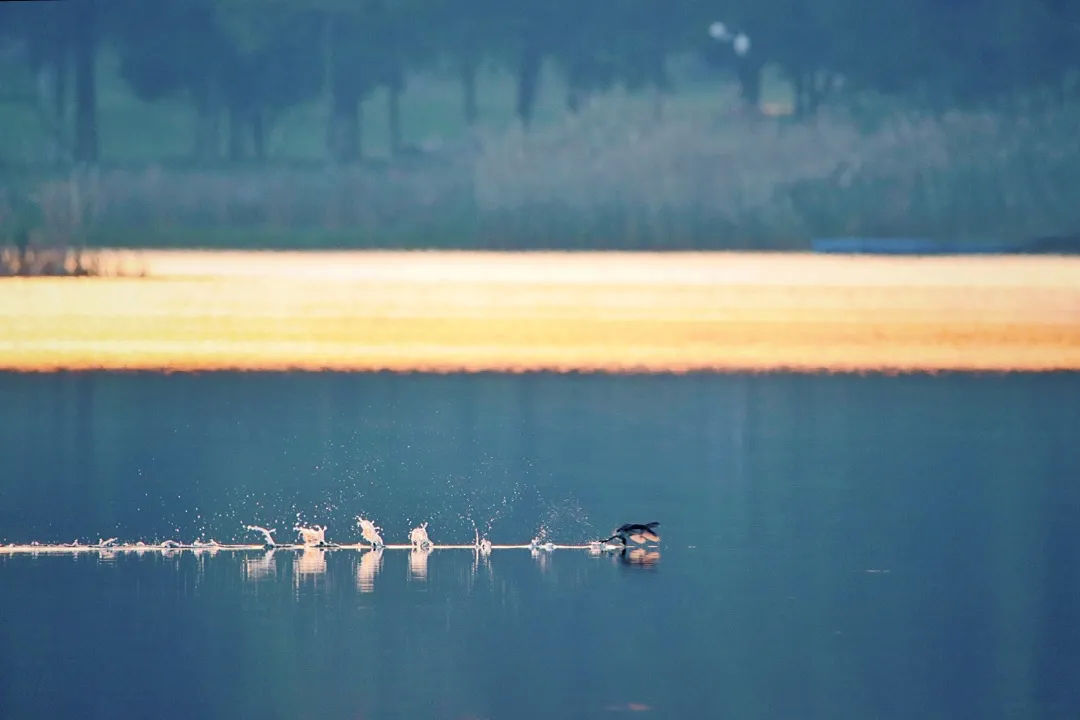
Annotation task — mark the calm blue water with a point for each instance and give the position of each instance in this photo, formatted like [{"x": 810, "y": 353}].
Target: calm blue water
[{"x": 833, "y": 546}]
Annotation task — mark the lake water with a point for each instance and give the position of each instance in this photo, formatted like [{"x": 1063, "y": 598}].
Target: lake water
[{"x": 833, "y": 546}]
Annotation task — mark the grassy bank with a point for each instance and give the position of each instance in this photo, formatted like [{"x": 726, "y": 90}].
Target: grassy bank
[{"x": 615, "y": 176}]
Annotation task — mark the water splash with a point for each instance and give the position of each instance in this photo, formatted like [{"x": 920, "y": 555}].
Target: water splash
[
  {"x": 200, "y": 548},
  {"x": 543, "y": 559},
  {"x": 567, "y": 518},
  {"x": 481, "y": 508},
  {"x": 370, "y": 532},
  {"x": 311, "y": 536},
  {"x": 268, "y": 538},
  {"x": 418, "y": 536},
  {"x": 483, "y": 546},
  {"x": 541, "y": 551}
]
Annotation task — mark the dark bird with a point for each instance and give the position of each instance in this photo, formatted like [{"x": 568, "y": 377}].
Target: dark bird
[{"x": 635, "y": 533}]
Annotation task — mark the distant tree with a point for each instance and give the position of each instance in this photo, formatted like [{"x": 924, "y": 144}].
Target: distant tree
[
  {"x": 794, "y": 35},
  {"x": 40, "y": 36},
  {"x": 404, "y": 33},
  {"x": 587, "y": 50},
  {"x": 245, "y": 62},
  {"x": 642, "y": 42},
  {"x": 350, "y": 57},
  {"x": 176, "y": 47},
  {"x": 271, "y": 63},
  {"x": 530, "y": 29},
  {"x": 240, "y": 58},
  {"x": 466, "y": 34},
  {"x": 84, "y": 34}
]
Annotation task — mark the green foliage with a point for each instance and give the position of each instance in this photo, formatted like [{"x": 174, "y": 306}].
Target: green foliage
[
  {"x": 254, "y": 85},
  {"x": 252, "y": 60}
]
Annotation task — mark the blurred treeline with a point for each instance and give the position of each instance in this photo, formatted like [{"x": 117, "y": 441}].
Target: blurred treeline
[{"x": 676, "y": 123}]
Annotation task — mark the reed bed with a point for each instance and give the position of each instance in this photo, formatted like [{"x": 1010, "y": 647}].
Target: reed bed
[{"x": 615, "y": 176}]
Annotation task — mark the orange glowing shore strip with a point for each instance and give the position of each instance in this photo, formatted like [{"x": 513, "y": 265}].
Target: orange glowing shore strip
[{"x": 606, "y": 312}]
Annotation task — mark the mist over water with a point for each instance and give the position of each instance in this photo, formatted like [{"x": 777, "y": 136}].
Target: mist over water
[{"x": 833, "y": 546}]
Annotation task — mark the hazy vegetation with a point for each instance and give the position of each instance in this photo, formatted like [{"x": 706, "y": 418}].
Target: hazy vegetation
[{"x": 541, "y": 123}]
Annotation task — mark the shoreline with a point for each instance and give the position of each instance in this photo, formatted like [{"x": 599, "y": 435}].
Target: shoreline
[{"x": 468, "y": 311}]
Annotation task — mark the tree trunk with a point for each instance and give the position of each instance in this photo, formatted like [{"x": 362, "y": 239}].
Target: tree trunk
[
  {"x": 658, "y": 103},
  {"x": 22, "y": 245},
  {"x": 207, "y": 121},
  {"x": 86, "y": 137},
  {"x": 820, "y": 84},
  {"x": 60, "y": 82},
  {"x": 258, "y": 133},
  {"x": 528, "y": 82},
  {"x": 393, "y": 119},
  {"x": 343, "y": 132},
  {"x": 749, "y": 74},
  {"x": 813, "y": 96},
  {"x": 574, "y": 99},
  {"x": 799, "y": 89},
  {"x": 342, "y": 96},
  {"x": 468, "y": 88},
  {"x": 236, "y": 132},
  {"x": 659, "y": 81}
]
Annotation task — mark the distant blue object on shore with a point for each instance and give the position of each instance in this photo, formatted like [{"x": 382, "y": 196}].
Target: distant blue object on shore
[
  {"x": 1057, "y": 245},
  {"x": 901, "y": 246}
]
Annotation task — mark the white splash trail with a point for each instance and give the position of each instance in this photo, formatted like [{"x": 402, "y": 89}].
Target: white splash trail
[
  {"x": 418, "y": 537},
  {"x": 370, "y": 532},
  {"x": 265, "y": 533},
  {"x": 311, "y": 536}
]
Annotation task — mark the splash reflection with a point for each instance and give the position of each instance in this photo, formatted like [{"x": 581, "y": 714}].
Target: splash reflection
[
  {"x": 367, "y": 568},
  {"x": 418, "y": 562},
  {"x": 310, "y": 564},
  {"x": 260, "y": 567}
]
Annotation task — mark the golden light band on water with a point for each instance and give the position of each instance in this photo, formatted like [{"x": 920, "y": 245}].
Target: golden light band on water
[{"x": 607, "y": 312}]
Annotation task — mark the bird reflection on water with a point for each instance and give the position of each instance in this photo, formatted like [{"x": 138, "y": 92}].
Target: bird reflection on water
[{"x": 639, "y": 557}]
